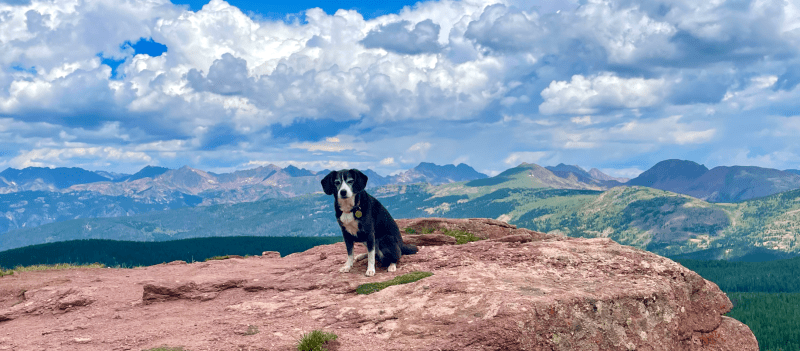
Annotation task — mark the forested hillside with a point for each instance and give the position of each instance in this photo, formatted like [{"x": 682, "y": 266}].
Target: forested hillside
[
  {"x": 765, "y": 296},
  {"x": 131, "y": 254}
]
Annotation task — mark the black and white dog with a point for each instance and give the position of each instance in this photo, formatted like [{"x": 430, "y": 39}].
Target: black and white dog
[{"x": 363, "y": 219}]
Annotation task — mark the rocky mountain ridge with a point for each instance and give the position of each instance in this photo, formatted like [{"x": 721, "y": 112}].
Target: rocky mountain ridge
[
  {"x": 433, "y": 174},
  {"x": 238, "y": 186},
  {"x": 719, "y": 184},
  {"x": 531, "y": 175},
  {"x": 595, "y": 176},
  {"x": 158, "y": 188},
  {"x": 45, "y": 179},
  {"x": 514, "y": 290}
]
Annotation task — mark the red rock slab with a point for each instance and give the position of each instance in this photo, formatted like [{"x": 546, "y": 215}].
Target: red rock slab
[{"x": 553, "y": 294}]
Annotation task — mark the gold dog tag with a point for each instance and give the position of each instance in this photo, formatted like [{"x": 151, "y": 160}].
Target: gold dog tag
[{"x": 358, "y": 214}]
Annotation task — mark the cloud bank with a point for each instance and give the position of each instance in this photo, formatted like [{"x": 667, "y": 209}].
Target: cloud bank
[{"x": 596, "y": 83}]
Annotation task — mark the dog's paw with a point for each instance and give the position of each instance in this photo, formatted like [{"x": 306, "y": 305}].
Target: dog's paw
[
  {"x": 392, "y": 267},
  {"x": 370, "y": 272},
  {"x": 344, "y": 269}
]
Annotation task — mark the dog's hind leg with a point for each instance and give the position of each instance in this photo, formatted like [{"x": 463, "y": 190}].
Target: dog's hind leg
[
  {"x": 362, "y": 256},
  {"x": 392, "y": 267}
]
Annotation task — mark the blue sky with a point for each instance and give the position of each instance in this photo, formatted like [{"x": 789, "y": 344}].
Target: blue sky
[{"x": 616, "y": 85}]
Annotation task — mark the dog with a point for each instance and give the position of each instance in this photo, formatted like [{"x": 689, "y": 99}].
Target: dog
[{"x": 364, "y": 220}]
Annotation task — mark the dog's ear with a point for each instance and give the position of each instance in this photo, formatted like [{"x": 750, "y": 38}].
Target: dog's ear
[
  {"x": 327, "y": 183},
  {"x": 361, "y": 181}
]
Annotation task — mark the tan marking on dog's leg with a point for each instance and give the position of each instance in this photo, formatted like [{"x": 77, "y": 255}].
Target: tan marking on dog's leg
[
  {"x": 392, "y": 267},
  {"x": 371, "y": 263},
  {"x": 361, "y": 257},
  {"x": 347, "y": 265}
]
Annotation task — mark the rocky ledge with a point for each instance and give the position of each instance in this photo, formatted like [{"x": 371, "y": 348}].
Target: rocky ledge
[{"x": 515, "y": 290}]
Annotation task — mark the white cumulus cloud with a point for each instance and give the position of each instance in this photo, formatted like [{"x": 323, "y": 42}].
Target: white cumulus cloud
[
  {"x": 515, "y": 158},
  {"x": 586, "y": 95},
  {"x": 232, "y": 88}
]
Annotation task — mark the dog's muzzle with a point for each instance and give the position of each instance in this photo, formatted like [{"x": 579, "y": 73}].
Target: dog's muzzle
[{"x": 342, "y": 194}]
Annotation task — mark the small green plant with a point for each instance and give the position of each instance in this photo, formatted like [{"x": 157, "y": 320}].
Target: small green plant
[
  {"x": 370, "y": 288},
  {"x": 251, "y": 330},
  {"x": 556, "y": 338},
  {"x": 462, "y": 237},
  {"x": 217, "y": 258},
  {"x": 224, "y": 257},
  {"x": 21, "y": 297},
  {"x": 315, "y": 340}
]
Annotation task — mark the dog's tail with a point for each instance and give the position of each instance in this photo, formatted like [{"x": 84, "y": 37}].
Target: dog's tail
[{"x": 408, "y": 249}]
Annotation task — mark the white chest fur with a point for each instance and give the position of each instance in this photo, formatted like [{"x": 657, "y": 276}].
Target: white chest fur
[
  {"x": 346, "y": 205},
  {"x": 350, "y": 223}
]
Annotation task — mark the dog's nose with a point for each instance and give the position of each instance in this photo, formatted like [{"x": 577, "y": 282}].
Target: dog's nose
[{"x": 342, "y": 193}]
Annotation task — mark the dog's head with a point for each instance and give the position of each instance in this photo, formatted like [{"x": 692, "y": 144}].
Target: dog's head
[{"x": 344, "y": 183}]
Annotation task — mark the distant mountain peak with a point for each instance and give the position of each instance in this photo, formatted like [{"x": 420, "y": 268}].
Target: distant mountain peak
[
  {"x": 670, "y": 174},
  {"x": 297, "y": 172},
  {"x": 432, "y": 173},
  {"x": 43, "y": 178},
  {"x": 720, "y": 184},
  {"x": 565, "y": 167},
  {"x": 146, "y": 172},
  {"x": 599, "y": 175}
]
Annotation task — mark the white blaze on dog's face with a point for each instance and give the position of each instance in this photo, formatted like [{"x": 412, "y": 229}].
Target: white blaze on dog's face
[
  {"x": 344, "y": 190},
  {"x": 344, "y": 185}
]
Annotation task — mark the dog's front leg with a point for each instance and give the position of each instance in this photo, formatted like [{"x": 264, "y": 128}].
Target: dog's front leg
[
  {"x": 371, "y": 258},
  {"x": 349, "y": 263}
]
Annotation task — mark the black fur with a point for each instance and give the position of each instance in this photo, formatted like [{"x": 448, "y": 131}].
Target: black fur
[{"x": 376, "y": 227}]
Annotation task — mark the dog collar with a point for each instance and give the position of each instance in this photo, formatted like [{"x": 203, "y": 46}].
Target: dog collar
[{"x": 357, "y": 211}]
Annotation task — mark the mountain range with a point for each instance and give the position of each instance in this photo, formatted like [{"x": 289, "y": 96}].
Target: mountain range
[
  {"x": 33, "y": 197},
  {"x": 660, "y": 221},
  {"x": 36, "y": 196},
  {"x": 251, "y": 185},
  {"x": 719, "y": 184}
]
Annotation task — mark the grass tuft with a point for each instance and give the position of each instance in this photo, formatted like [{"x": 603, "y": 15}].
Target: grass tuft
[
  {"x": 462, "y": 236},
  {"x": 217, "y": 258},
  {"x": 251, "y": 330},
  {"x": 224, "y": 257},
  {"x": 315, "y": 341},
  {"x": 47, "y": 267},
  {"x": 369, "y": 288}
]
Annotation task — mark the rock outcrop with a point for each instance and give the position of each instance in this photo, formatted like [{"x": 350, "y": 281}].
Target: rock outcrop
[{"x": 516, "y": 290}]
